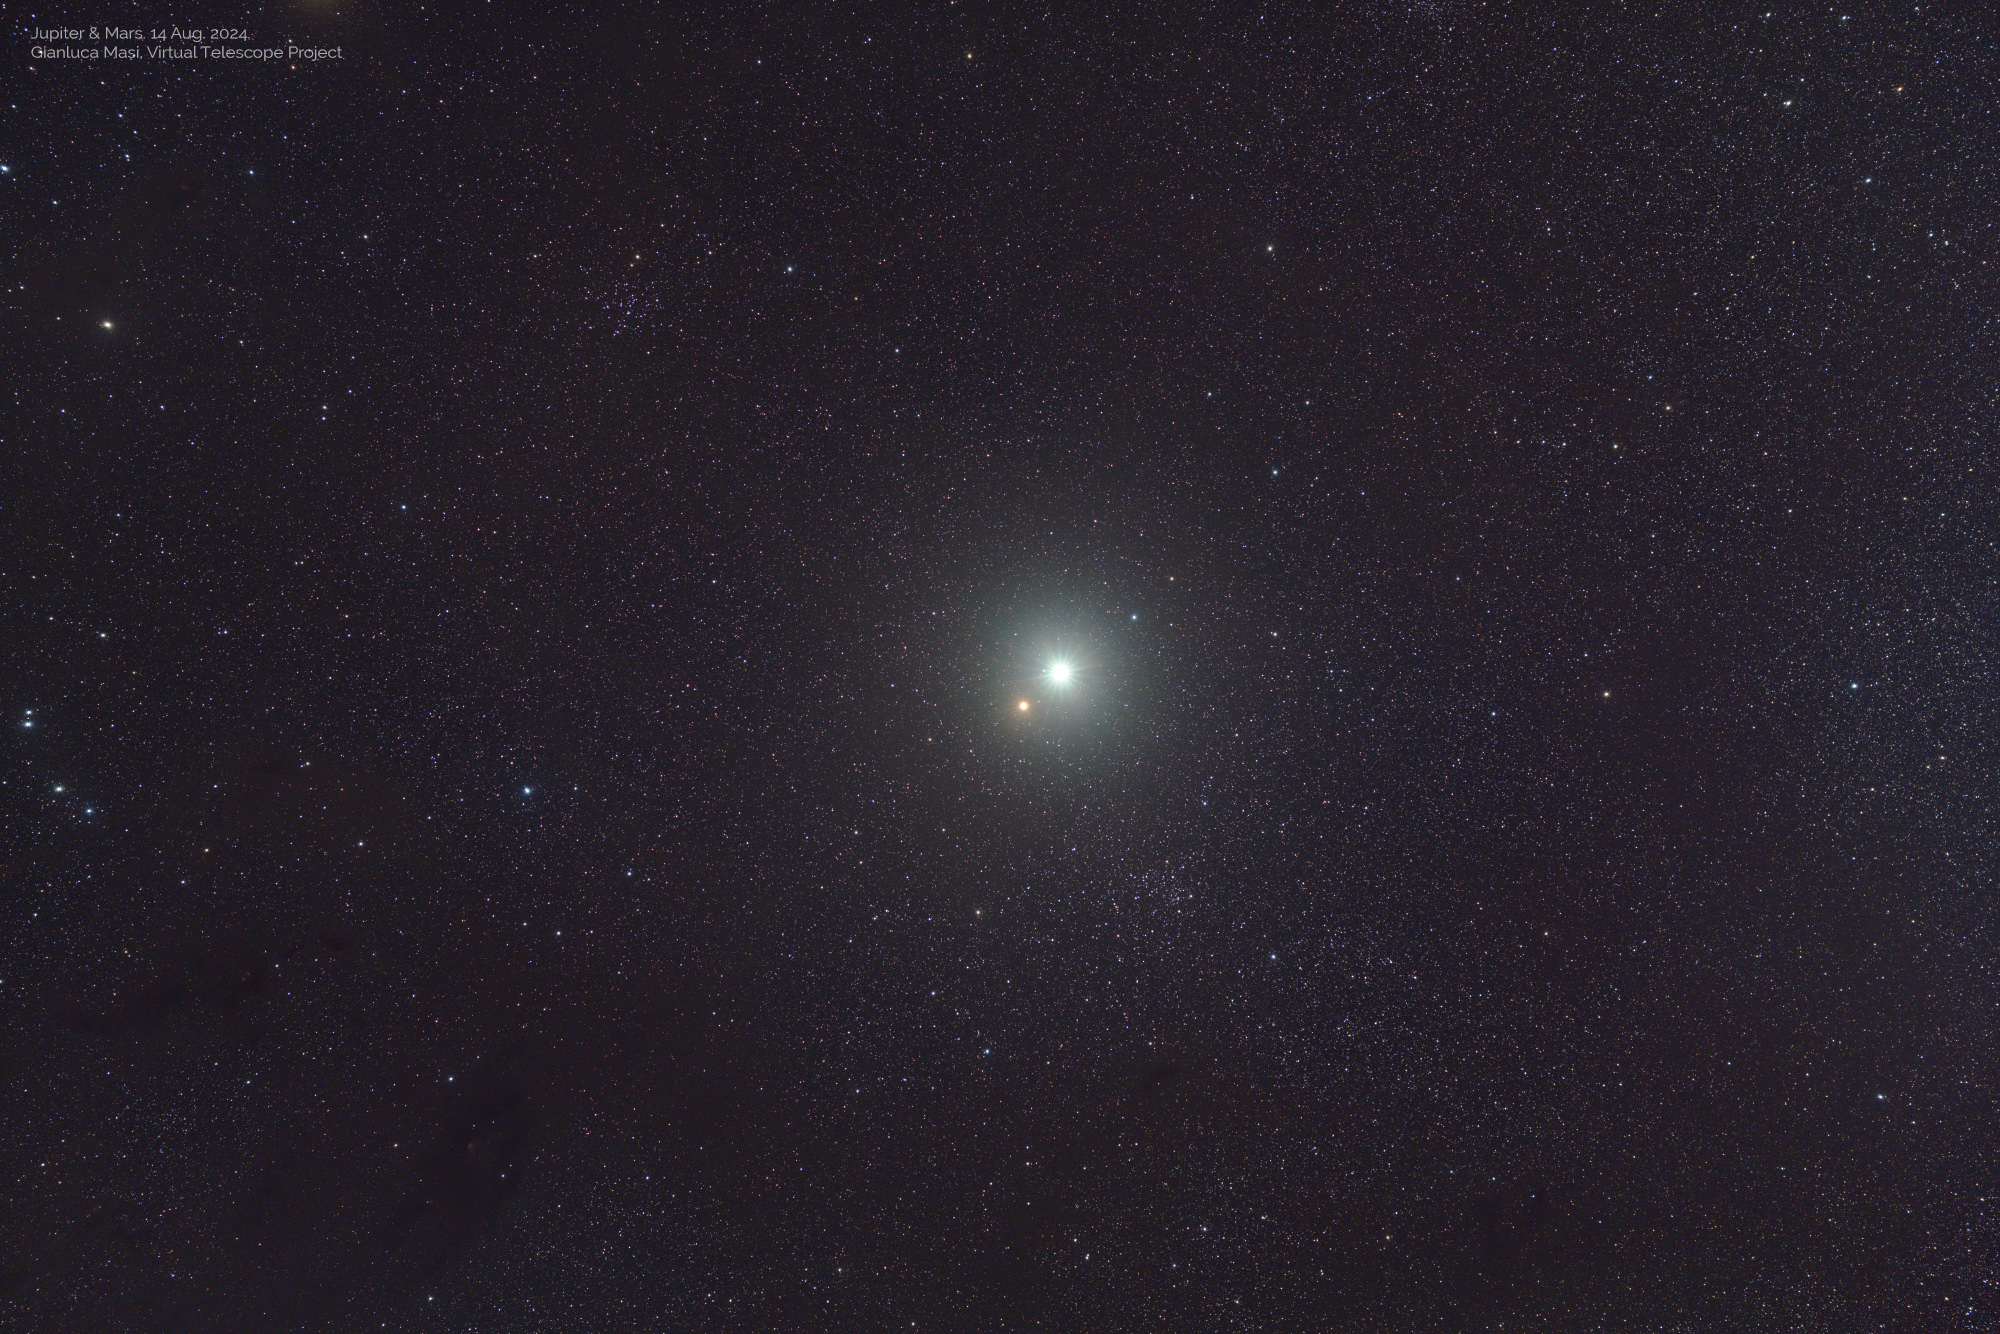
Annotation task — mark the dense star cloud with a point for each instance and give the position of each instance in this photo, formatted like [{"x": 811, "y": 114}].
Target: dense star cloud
[{"x": 956, "y": 669}]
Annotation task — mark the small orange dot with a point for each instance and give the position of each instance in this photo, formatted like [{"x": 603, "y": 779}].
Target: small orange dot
[{"x": 1024, "y": 706}]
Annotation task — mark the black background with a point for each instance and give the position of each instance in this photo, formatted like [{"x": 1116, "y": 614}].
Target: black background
[{"x": 526, "y": 545}]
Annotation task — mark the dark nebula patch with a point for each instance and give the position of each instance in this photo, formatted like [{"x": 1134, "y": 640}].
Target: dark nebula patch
[{"x": 1187, "y": 668}]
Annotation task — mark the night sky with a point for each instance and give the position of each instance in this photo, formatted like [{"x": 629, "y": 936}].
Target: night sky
[{"x": 540, "y": 553}]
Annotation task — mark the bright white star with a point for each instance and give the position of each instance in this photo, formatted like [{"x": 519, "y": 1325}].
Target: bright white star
[{"x": 1059, "y": 673}]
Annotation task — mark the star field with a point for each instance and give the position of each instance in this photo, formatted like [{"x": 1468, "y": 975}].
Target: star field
[{"x": 956, "y": 669}]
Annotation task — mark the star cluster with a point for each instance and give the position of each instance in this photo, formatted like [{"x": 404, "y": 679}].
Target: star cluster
[{"x": 1310, "y": 669}]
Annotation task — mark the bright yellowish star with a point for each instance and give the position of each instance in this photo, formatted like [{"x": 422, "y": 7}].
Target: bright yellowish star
[{"x": 1024, "y": 706}]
